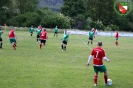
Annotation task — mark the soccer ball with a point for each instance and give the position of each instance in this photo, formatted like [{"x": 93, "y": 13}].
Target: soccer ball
[{"x": 109, "y": 82}]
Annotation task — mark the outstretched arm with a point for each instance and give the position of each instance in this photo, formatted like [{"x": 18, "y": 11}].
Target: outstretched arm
[
  {"x": 106, "y": 59},
  {"x": 89, "y": 59}
]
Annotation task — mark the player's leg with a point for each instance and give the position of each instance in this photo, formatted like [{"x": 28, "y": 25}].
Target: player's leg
[
  {"x": 116, "y": 43},
  {"x": 88, "y": 41},
  {"x": 41, "y": 43},
  {"x": 91, "y": 40},
  {"x": 96, "y": 75},
  {"x": 11, "y": 41},
  {"x": 56, "y": 34},
  {"x": 103, "y": 69},
  {"x": 62, "y": 45},
  {"x": 1, "y": 42},
  {"x": 31, "y": 33}
]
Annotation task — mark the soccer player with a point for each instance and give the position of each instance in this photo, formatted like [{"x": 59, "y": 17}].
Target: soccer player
[
  {"x": 64, "y": 40},
  {"x": 43, "y": 37},
  {"x": 1, "y": 41},
  {"x": 38, "y": 31},
  {"x": 40, "y": 27},
  {"x": 12, "y": 37},
  {"x": 98, "y": 54},
  {"x": 56, "y": 31},
  {"x": 91, "y": 35},
  {"x": 31, "y": 30},
  {"x": 116, "y": 38},
  {"x": 93, "y": 30}
]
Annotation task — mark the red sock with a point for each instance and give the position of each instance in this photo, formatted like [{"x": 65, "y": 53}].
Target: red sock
[
  {"x": 95, "y": 78},
  {"x": 40, "y": 46},
  {"x": 105, "y": 78},
  {"x": 115, "y": 43},
  {"x": 14, "y": 47}
]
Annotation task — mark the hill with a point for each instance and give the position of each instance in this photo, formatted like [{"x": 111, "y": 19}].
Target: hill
[{"x": 52, "y": 4}]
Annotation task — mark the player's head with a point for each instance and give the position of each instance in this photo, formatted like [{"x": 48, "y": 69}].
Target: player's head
[
  {"x": 99, "y": 43},
  {"x": 44, "y": 29},
  {"x": 92, "y": 29},
  {"x": 13, "y": 28}
]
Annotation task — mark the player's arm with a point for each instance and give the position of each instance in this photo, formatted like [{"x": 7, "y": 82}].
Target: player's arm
[
  {"x": 89, "y": 60},
  {"x": 106, "y": 59},
  {"x": 15, "y": 35}
]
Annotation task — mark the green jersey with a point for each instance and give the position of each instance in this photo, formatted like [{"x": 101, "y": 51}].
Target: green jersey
[
  {"x": 91, "y": 34},
  {"x": 56, "y": 29},
  {"x": 38, "y": 31},
  {"x": 0, "y": 33},
  {"x": 65, "y": 37},
  {"x": 31, "y": 29}
]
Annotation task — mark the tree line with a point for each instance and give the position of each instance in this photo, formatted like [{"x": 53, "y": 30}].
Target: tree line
[{"x": 79, "y": 14}]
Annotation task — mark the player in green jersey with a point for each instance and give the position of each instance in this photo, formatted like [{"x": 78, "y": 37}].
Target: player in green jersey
[
  {"x": 64, "y": 40},
  {"x": 38, "y": 31},
  {"x": 91, "y": 35},
  {"x": 1, "y": 41},
  {"x": 31, "y": 30},
  {"x": 56, "y": 31}
]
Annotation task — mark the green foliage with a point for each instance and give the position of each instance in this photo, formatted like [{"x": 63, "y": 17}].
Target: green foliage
[
  {"x": 26, "y": 6},
  {"x": 4, "y": 15}
]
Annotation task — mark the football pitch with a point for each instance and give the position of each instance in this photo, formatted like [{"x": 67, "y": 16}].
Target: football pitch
[{"x": 50, "y": 67}]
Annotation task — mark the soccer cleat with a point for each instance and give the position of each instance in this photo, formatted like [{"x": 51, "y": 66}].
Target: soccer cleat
[{"x": 95, "y": 85}]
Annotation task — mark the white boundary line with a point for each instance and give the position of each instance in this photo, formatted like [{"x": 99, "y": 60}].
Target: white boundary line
[{"x": 85, "y": 43}]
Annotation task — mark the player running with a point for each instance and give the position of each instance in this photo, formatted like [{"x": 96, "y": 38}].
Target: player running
[
  {"x": 38, "y": 31},
  {"x": 56, "y": 31},
  {"x": 1, "y": 41},
  {"x": 116, "y": 38},
  {"x": 98, "y": 54},
  {"x": 43, "y": 37},
  {"x": 12, "y": 37},
  {"x": 64, "y": 40},
  {"x": 31, "y": 30},
  {"x": 91, "y": 35}
]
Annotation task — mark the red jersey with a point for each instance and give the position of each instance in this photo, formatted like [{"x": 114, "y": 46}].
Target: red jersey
[
  {"x": 11, "y": 34},
  {"x": 117, "y": 35},
  {"x": 43, "y": 35},
  {"x": 98, "y": 54}
]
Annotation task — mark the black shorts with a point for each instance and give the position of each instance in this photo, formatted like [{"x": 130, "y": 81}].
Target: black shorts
[
  {"x": 64, "y": 42},
  {"x": 38, "y": 36},
  {"x": 0, "y": 39},
  {"x": 90, "y": 38},
  {"x": 43, "y": 41},
  {"x": 56, "y": 32}
]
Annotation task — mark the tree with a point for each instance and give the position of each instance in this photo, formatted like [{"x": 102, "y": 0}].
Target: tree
[
  {"x": 76, "y": 10},
  {"x": 73, "y": 7},
  {"x": 4, "y": 3},
  {"x": 26, "y": 5}
]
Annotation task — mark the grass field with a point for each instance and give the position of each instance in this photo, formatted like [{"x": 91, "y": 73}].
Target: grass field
[{"x": 30, "y": 67}]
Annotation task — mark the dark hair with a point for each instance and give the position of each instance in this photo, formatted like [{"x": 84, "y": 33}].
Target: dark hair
[
  {"x": 99, "y": 43},
  {"x": 44, "y": 29}
]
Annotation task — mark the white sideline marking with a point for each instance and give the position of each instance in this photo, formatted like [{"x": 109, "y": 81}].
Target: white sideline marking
[{"x": 85, "y": 43}]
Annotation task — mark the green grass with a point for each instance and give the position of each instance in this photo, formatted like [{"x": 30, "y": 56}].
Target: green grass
[{"x": 30, "y": 67}]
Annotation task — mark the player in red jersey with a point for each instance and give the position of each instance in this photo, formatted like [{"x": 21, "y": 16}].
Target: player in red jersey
[
  {"x": 12, "y": 37},
  {"x": 98, "y": 54},
  {"x": 116, "y": 37},
  {"x": 43, "y": 37}
]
